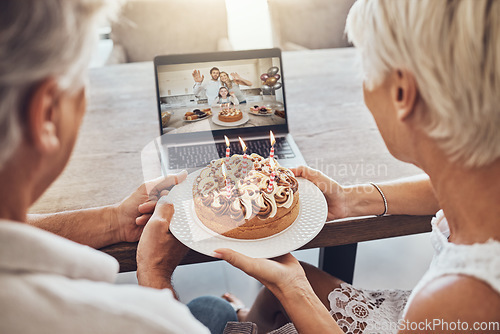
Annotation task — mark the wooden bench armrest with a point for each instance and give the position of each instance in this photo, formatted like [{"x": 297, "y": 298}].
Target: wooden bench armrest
[{"x": 335, "y": 233}]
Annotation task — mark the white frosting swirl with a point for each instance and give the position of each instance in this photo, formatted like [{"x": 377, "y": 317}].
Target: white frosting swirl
[
  {"x": 216, "y": 203},
  {"x": 274, "y": 206},
  {"x": 289, "y": 193}
]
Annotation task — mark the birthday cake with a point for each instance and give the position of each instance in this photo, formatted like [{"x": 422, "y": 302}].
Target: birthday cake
[
  {"x": 260, "y": 198},
  {"x": 230, "y": 115}
]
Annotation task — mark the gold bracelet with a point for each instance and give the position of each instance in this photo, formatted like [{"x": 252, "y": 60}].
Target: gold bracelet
[{"x": 383, "y": 197}]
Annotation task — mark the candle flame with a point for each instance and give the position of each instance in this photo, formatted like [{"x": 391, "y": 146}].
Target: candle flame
[
  {"x": 272, "y": 138},
  {"x": 243, "y": 146},
  {"x": 227, "y": 141}
]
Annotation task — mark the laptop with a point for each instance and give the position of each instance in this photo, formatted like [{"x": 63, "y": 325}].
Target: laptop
[{"x": 190, "y": 99}]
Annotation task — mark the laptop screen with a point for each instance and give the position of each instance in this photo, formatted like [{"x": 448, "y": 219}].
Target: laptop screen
[{"x": 220, "y": 93}]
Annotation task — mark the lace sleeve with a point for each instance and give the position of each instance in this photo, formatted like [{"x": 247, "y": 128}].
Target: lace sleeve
[{"x": 367, "y": 311}]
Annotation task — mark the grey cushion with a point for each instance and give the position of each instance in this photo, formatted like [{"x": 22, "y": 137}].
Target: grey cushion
[
  {"x": 147, "y": 28},
  {"x": 313, "y": 24}
]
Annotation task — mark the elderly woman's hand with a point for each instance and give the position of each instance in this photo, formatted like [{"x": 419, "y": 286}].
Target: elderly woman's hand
[
  {"x": 278, "y": 274},
  {"x": 286, "y": 279},
  {"x": 334, "y": 193}
]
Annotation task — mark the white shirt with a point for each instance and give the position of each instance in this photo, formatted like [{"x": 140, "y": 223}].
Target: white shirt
[
  {"x": 211, "y": 89},
  {"x": 49, "y": 284}
]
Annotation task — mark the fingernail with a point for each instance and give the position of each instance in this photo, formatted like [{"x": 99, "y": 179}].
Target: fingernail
[
  {"x": 182, "y": 172},
  {"x": 217, "y": 255}
]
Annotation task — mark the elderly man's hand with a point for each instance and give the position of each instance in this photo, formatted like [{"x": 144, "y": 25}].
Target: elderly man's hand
[
  {"x": 132, "y": 214},
  {"x": 158, "y": 252}
]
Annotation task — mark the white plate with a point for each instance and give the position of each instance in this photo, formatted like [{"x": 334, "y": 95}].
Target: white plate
[
  {"x": 242, "y": 121},
  {"x": 191, "y": 232}
]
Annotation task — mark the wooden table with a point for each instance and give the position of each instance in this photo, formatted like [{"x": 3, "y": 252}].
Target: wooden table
[{"x": 327, "y": 118}]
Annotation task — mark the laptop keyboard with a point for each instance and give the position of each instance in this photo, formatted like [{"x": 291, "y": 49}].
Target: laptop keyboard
[{"x": 200, "y": 155}]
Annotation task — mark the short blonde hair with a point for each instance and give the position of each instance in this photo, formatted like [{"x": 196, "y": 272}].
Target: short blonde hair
[
  {"x": 452, "y": 48},
  {"x": 43, "y": 39}
]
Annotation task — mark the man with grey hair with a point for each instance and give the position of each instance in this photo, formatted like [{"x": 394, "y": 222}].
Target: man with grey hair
[{"x": 51, "y": 284}]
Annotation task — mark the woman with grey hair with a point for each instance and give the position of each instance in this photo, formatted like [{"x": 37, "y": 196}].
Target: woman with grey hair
[{"x": 432, "y": 82}]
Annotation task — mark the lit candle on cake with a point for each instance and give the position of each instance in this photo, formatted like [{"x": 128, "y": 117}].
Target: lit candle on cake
[
  {"x": 228, "y": 186},
  {"x": 243, "y": 147},
  {"x": 245, "y": 161},
  {"x": 273, "y": 141},
  {"x": 270, "y": 187},
  {"x": 228, "y": 150}
]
